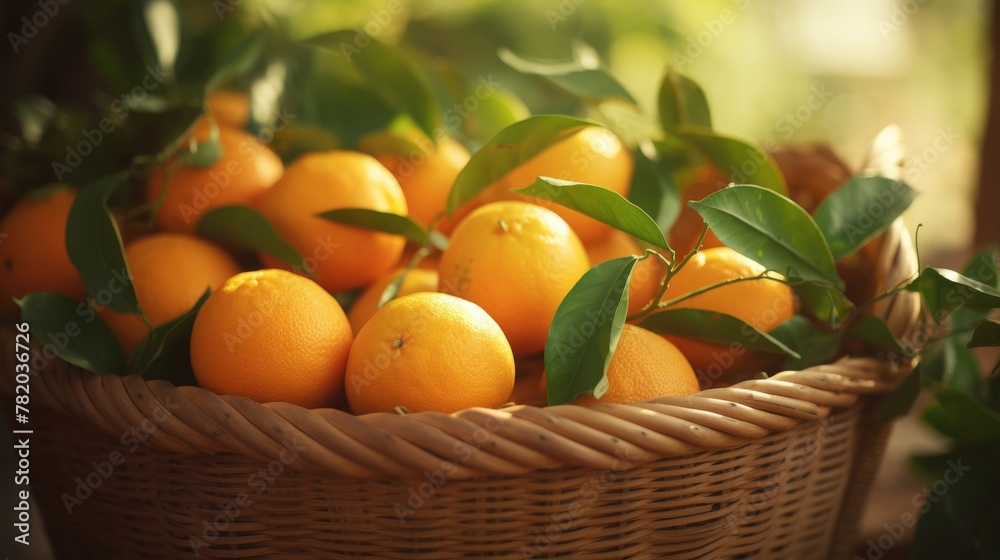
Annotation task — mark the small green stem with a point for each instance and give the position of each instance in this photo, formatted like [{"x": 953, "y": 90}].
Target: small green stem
[
  {"x": 719, "y": 284},
  {"x": 692, "y": 252}
]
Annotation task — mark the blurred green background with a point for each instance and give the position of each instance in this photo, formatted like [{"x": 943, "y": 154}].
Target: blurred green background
[{"x": 775, "y": 71}]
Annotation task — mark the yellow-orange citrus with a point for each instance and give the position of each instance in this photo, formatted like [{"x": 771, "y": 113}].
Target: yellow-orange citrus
[
  {"x": 517, "y": 261},
  {"x": 271, "y": 335},
  {"x": 764, "y": 304},
  {"x": 343, "y": 257},
  {"x": 592, "y": 155},
  {"x": 246, "y": 169},
  {"x": 231, "y": 108},
  {"x": 429, "y": 351},
  {"x": 170, "y": 271},
  {"x": 426, "y": 175},
  {"x": 645, "y": 366},
  {"x": 647, "y": 276},
  {"x": 416, "y": 280},
  {"x": 33, "y": 254}
]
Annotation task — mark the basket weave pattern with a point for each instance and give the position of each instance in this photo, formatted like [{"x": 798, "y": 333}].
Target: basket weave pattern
[{"x": 770, "y": 468}]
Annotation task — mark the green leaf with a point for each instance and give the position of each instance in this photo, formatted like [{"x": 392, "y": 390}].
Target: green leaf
[
  {"x": 814, "y": 346},
  {"x": 202, "y": 153},
  {"x": 385, "y": 222},
  {"x": 319, "y": 86},
  {"x": 95, "y": 246},
  {"x": 165, "y": 353},
  {"x": 956, "y": 505},
  {"x": 682, "y": 102},
  {"x": 654, "y": 192},
  {"x": 899, "y": 402},
  {"x": 823, "y": 300},
  {"x": 248, "y": 228},
  {"x": 971, "y": 418},
  {"x": 571, "y": 76},
  {"x": 599, "y": 203},
  {"x": 874, "y": 331},
  {"x": 859, "y": 210},
  {"x": 741, "y": 161},
  {"x": 937, "y": 359},
  {"x": 585, "y": 331},
  {"x": 964, "y": 375},
  {"x": 987, "y": 333},
  {"x": 938, "y": 418},
  {"x": 510, "y": 148},
  {"x": 238, "y": 61},
  {"x": 983, "y": 268},
  {"x": 770, "y": 229},
  {"x": 392, "y": 74},
  {"x": 944, "y": 290},
  {"x": 712, "y": 326},
  {"x": 73, "y": 331}
]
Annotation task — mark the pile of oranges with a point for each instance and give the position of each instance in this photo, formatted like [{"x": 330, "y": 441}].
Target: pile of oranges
[{"x": 467, "y": 325}]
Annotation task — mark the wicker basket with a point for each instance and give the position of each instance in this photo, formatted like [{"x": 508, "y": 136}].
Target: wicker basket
[{"x": 770, "y": 468}]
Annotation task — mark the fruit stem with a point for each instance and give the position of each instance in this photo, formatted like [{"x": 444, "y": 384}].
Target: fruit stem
[
  {"x": 697, "y": 247},
  {"x": 671, "y": 270},
  {"x": 503, "y": 226},
  {"x": 719, "y": 284}
]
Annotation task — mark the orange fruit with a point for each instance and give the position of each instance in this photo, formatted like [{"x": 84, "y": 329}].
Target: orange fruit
[
  {"x": 425, "y": 175},
  {"x": 763, "y": 303},
  {"x": 645, "y": 366},
  {"x": 416, "y": 280},
  {"x": 592, "y": 155},
  {"x": 705, "y": 180},
  {"x": 271, "y": 335},
  {"x": 170, "y": 271},
  {"x": 517, "y": 261},
  {"x": 647, "y": 275},
  {"x": 246, "y": 169},
  {"x": 343, "y": 257},
  {"x": 33, "y": 255},
  {"x": 429, "y": 351},
  {"x": 231, "y": 108}
]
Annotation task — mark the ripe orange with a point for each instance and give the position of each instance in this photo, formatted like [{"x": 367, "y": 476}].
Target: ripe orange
[
  {"x": 271, "y": 335},
  {"x": 33, "y": 254},
  {"x": 425, "y": 175},
  {"x": 647, "y": 276},
  {"x": 684, "y": 234},
  {"x": 245, "y": 171},
  {"x": 416, "y": 280},
  {"x": 170, "y": 271},
  {"x": 645, "y": 366},
  {"x": 231, "y": 108},
  {"x": 343, "y": 257},
  {"x": 517, "y": 261},
  {"x": 592, "y": 155},
  {"x": 429, "y": 351},
  {"x": 763, "y": 303}
]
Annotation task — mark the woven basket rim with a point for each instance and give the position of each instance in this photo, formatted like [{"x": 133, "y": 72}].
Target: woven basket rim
[{"x": 508, "y": 441}]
